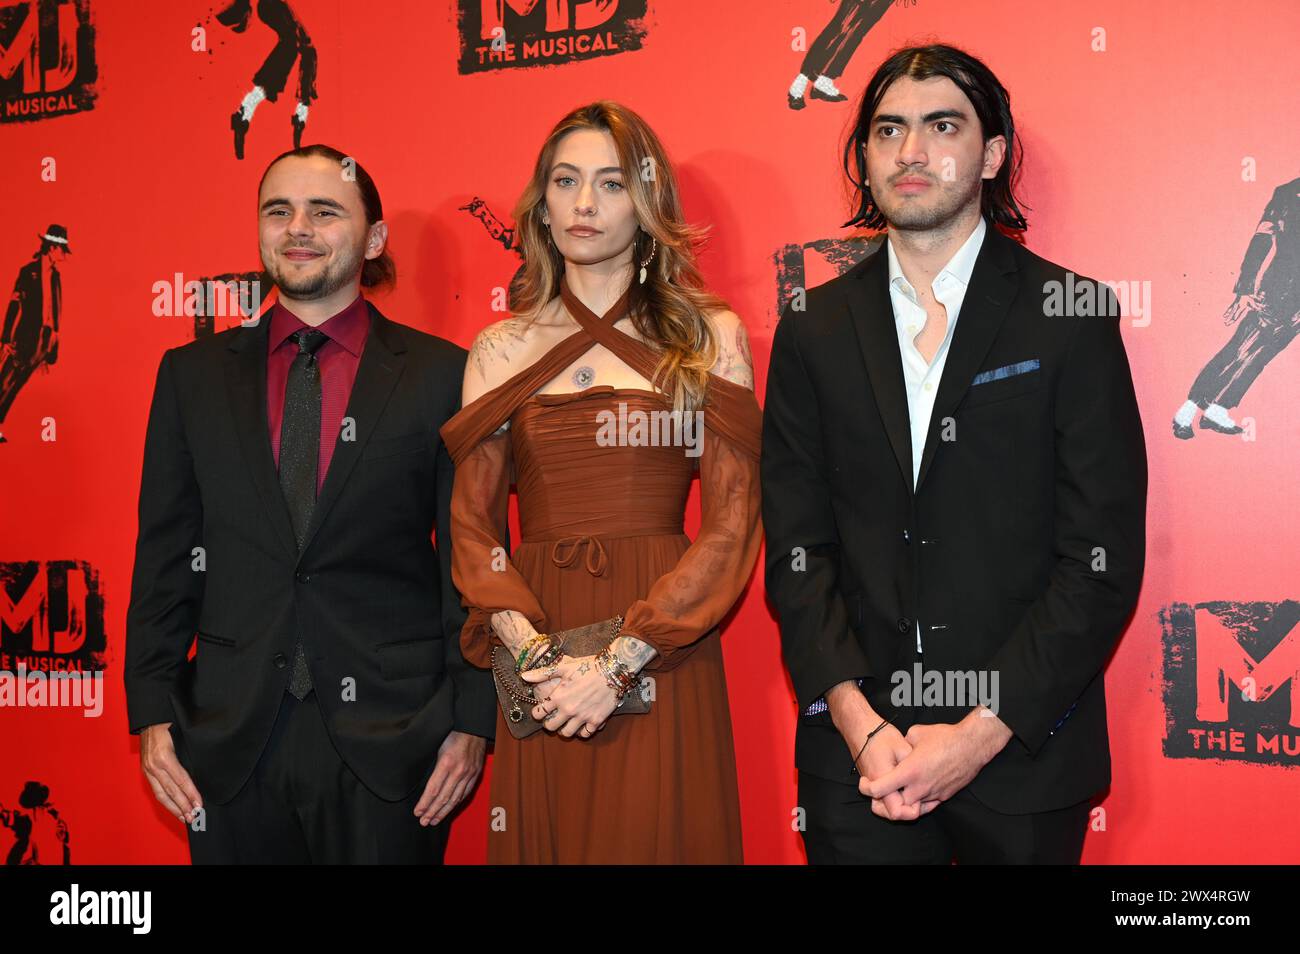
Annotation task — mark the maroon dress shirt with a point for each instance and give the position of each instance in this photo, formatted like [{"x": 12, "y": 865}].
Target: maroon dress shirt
[{"x": 338, "y": 359}]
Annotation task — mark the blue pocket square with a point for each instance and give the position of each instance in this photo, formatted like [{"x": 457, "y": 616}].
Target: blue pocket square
[{"x": 1007, "y": 371}]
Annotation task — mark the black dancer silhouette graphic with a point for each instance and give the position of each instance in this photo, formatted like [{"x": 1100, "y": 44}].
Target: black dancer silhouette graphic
[
  {"x": 1266, "y": 311},
  {"x": 832, "y": 50},
  {"x": 270, "y": 80},
  {"x": 40, "y": 835},
  {"x": 30, "y": 336}
]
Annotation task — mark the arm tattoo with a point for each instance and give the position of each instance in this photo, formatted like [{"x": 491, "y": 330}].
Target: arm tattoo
[
  {"x": 633, "y": 652},
  {"x": 742, "y": 346},
  {"x": 514, "y": 629},
  {"x": 734, "y": 362},
  {"x": 495, "y": 342}
]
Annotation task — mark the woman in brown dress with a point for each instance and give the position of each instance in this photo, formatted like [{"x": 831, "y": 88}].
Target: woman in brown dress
[{"x": 611, "y": 323}]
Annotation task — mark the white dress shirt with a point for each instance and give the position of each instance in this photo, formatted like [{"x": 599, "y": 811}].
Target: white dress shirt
[{"x": 922, "y": 379}]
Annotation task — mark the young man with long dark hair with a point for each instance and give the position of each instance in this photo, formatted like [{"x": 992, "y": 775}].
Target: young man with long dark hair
[{"x": 954, "y": 491}]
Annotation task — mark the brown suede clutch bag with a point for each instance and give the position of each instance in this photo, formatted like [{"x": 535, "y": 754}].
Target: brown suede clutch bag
[{"x": 517, "y": 697}]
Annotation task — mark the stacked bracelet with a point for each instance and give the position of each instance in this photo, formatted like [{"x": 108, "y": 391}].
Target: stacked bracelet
[
  {"x": 539, "y": 651},
  {"x": 551, "y": 653},
  {"x": 527, "y": 651},
  {"x": 618, "y": 674}
]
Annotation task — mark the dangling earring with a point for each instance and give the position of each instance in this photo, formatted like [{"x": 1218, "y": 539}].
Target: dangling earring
[{"x": 654, "y": 247}]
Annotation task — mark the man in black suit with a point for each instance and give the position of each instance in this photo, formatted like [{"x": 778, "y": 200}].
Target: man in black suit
[
  {"x": 1267, "y": 297},
  {"x": 29, "y": 338},
  {"x": 954, "y": 489},
  {"x": 293, "y": 477}
]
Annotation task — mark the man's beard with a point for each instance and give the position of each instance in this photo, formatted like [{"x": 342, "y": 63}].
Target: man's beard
[
  {"x": 908, "y": 216},
  {"x": 319, "y": 285}
]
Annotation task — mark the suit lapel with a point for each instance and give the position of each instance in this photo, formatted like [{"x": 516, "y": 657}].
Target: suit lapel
[
  {"x": 377, "y": 373},
  {"x": 873, "y": 319},
  {"x": 381, "y": 365},
  {"x": 992, "y": 288}
]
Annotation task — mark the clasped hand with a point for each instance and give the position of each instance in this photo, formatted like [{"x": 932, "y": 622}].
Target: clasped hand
[
  {"x": 907, "y": 777},
  {"x": 576, "y": 699}
]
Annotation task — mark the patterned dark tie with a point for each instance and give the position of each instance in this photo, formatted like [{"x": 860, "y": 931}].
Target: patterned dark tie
[{"x": 299, "y": 453}]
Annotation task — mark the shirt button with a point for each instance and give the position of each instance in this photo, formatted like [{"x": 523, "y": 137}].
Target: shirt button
[{"x": 929, "y": 386}]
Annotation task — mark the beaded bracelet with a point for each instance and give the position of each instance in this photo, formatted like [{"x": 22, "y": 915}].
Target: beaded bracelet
[
  {"x": 553, "y": 651},
  {"x": 526, "y": 651},
  {"x": 540, "y": 651}
]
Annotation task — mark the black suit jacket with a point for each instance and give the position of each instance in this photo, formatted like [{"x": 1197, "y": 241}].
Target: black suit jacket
[
  {"x": 995, "y": 551},
  {"x": 24, "y": 328},
  {"x": 370, "y": 594}
]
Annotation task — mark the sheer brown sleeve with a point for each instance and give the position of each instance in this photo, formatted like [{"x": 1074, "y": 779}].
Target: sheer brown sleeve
[
  {"x": 480, "y": 564},
  {"x": 686, "y": 603}
]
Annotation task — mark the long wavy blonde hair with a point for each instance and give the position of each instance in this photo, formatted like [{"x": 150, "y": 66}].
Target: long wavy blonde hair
[{"x": 669, "y": 310}]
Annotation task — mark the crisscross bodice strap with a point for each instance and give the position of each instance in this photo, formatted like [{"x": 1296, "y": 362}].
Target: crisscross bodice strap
[{"x": 730, "y": 410}]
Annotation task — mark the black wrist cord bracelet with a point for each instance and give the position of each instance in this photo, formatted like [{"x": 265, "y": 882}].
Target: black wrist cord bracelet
[{"x": 883, "y": 723}]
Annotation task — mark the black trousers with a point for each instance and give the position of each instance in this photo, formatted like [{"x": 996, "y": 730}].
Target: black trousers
[
  {"x": 13, "y": 375},
  {"x": 303, "y": 805},
  {"x": 1259, "y": 338},
  {"x": 292, "y": 42},
  {"x": 835, "y": 45},
  {"x": 841, "y": 828}
]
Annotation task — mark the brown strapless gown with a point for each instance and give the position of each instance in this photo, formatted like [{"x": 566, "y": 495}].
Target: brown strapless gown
[{"x": 602, "y": 534}]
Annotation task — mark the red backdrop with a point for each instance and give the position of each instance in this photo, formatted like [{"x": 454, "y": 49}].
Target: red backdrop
[{"x": 1155, "y": 134}]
